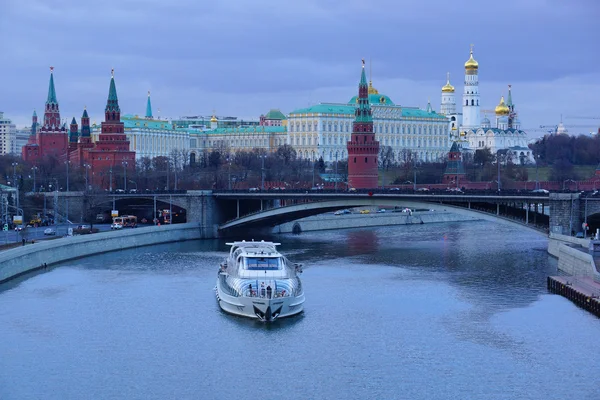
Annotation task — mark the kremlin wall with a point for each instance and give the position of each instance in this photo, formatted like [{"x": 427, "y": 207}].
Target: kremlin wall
[{"x": 353, "y": 131}]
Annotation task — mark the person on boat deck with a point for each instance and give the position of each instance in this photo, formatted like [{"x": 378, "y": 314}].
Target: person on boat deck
[
  {"x": 269, "y": 291},
  {"x": 250, "y": 289},
  {"x": 262, "y": 289}
]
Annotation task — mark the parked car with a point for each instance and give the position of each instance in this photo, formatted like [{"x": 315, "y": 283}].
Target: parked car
[
  {"x": 83, "y": 227},
  {"x": 116, "y": 226},
  {"x": 49, "y": 232},
  {"x": 119, "y": 191},
  {"x": 542, "y": 191}
]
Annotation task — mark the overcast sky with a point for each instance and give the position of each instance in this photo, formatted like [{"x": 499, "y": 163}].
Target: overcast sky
[{"x": 242, "y": 58}]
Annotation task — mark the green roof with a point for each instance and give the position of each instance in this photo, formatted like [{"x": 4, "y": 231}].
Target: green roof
[
  {"x": 418, "y": 113},
  {"x": 113, "y": 101},
  {"x": 275, "y": 114},
  {"x": 257, "y": 129},
  {"x": 148, "y": 107},
  {"x": 375, "y": 99},
  {"x": 327, "y": 108},
  {"x": 51, "y": 90},
  {"x": 132, "y": 121}
]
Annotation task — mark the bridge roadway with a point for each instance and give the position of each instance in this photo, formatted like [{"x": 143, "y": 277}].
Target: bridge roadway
[{"x": 309, "y": 203}]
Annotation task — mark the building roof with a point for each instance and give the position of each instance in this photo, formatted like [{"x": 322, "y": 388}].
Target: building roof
[
  {"x": 327, "y": 108},
  {"x": 275, "y": 114},
  {"x": 410, "y": 112},
  {"x": 148, "y": 107},
  {"x": 51, "y": 90},
  {"x": 375, "y": 99},
  {"x": 133, "y": 121}
]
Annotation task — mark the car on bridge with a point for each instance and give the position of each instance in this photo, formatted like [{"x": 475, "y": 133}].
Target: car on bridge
[
  {"x": 49, "y": 232},
  {"x": 116, "y": 226},
  {"x": 542, "y": 191}
]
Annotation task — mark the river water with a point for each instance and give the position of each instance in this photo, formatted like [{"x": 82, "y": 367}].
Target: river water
[{"x": 440, "y": 311}]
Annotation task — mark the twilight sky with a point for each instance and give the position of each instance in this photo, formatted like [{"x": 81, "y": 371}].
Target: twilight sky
[{"x": 242, "y": 58}]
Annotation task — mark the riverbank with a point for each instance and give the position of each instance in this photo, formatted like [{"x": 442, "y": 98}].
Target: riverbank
[
  {"x": 24, "y": 259},
  {"x": 356, "y": 220}
]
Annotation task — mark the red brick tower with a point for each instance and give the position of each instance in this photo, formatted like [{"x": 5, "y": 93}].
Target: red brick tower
[
  {"x": 363, "y": 149},
  {"x": 51, "y": 138},
  {"x": 111, "y": 153}
]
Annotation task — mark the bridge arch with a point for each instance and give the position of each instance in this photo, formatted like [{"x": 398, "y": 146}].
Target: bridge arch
[{"x": 276, "y": 216}]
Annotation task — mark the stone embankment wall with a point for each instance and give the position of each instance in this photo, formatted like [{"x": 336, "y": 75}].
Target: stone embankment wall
[
  {"x": 20, "y": 260},
  {"x": 573, "y": 256},
  {"x": 330, "y": 221}
]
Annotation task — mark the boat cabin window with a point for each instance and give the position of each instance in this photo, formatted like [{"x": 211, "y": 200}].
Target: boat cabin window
[{"x": 262, "y": 263}]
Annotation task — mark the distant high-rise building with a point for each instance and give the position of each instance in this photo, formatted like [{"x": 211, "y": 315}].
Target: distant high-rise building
[{"x": 8, "y": 136}]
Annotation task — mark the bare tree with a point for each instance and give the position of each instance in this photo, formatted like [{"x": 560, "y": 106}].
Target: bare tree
[{"x": 387, "y": 157}]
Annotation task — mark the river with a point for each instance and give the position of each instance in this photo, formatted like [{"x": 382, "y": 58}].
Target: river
[{"x": 439, "y": 311}]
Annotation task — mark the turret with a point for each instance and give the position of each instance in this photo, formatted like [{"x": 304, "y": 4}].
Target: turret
[
  {"x": 112, "y": 112},
  {"x": 85, "y": 124},
  {"x": 73, "y": 131},
  {"x": 51, "y": 111},
  {"x": 34, "y": 123},
  {"x": 448, "y": 106}
]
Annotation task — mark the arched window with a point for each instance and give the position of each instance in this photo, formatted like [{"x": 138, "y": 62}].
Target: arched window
[
  {"x": 472, "y": 102},
  {"x": 466, "y": 102}
]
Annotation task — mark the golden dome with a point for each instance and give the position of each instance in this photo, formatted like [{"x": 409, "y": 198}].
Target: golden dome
[
  {"x": 214, "y": 119},
  {"x": 471, "y": 64},
  {"x": 448, "y": 88},
  {"x": 372, "y": 90},
  {"x": 502, "y": 108}
]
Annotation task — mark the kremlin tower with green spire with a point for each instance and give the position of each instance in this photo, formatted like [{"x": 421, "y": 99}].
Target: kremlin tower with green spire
[
  {"x": 111, "y": 155},
  {"x": 51, "y": 138},
  {"x": 362, "y": 148}
]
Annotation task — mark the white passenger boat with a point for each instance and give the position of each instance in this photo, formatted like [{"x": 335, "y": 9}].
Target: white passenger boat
[{"x": 257, "y": 281}]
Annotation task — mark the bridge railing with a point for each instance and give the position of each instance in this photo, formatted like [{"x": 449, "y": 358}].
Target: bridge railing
[{"x": 421, "y": 191}]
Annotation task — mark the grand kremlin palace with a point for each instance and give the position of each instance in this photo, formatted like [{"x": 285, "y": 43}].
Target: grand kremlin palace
[{"x": 323, "y": 130}]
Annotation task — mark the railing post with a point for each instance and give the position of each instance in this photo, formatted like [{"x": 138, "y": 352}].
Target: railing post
[
  {"x": 497, "y": 208},
  {"x": 527, "y": 215}
]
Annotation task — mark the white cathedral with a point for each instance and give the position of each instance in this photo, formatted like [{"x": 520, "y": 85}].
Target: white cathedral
[{"x": 474, "y": 133}]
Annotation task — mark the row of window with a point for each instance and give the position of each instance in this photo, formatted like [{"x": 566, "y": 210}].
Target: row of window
[{"x": 377, "y": 128}]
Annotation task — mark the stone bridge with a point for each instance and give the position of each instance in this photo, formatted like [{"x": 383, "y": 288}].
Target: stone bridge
[{"x": 221, "y": 212}]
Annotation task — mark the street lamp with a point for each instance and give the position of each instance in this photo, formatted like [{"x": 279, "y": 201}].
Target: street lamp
[
  {"x": 415, "y": 174},
  {"x": 262, "y": 171},
  {"x": 14, "y": 165},
  {"x": 110, "y": 181},
  {"x": 34, "y": 169},
  {"x": 86, "y": 166},
  {"x": 336, "y": 163},
  {"x": 537, "y": 181},
  {"x": 498, "y": 162},
  {"x": 124, "y": 175},
  {"x": 67, "y": 197},
  {"x": 229, "y": 174}
]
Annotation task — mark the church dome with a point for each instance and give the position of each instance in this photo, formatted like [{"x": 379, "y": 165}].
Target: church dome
[
  {"x": 448, "y": 88},
  {"x": 485, "y": 122},
  {"x": 372, "y": 90},
  {"x": 214, "y": 119},
  {"x": 502, "y": 108},
  {"x": 471, "y": 64}
]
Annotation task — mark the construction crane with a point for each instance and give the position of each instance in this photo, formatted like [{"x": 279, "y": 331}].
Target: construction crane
[{"x": 582, "y": 117}]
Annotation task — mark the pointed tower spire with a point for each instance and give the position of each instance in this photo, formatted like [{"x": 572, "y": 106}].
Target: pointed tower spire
[
  {"x": 509, "y": 101},
  {"x": 51, "y": 90},
  {"x": 363, "y": 112},
  {"x": 73, "y": 131},
  {"x": 85, "y": 124},
  {"x": 112, "y": 110},
  {"x": 148, "y": 107},
  {"x": 429, "y": 108}
]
